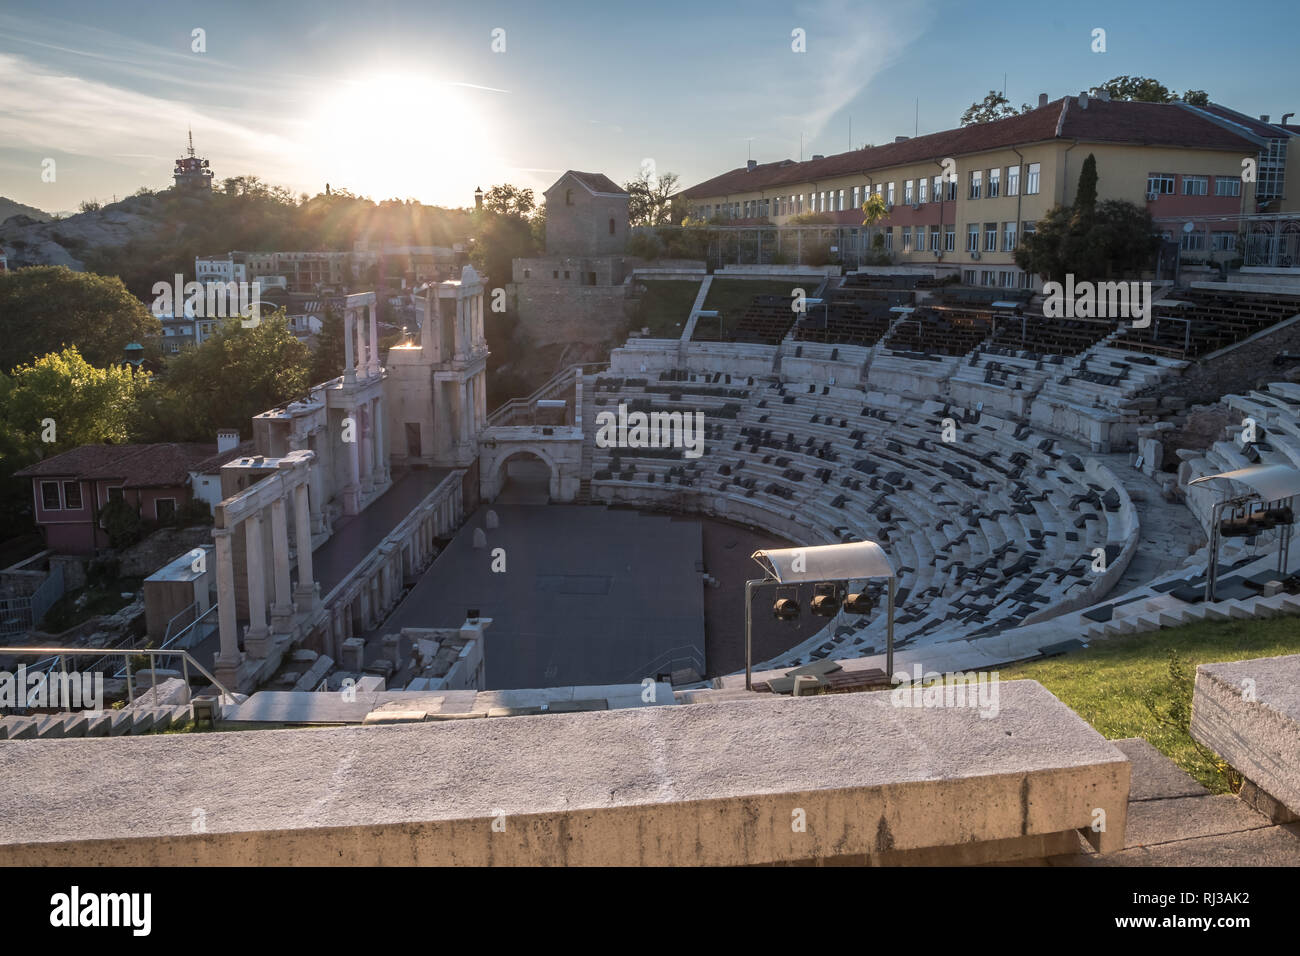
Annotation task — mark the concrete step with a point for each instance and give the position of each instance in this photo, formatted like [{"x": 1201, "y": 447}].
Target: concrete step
[
  {"x": 99, "y": 724},
  {"x": 20, "y": 728},
  {"x": 49, "y": 727},
  {"x": 143, "y": 720},
  {"x": 121, "y": 722}
]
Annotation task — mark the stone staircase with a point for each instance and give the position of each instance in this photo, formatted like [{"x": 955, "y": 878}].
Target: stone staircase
[
  {"x": 106, "y": 723},
  {"x": 1238, "y": 610}
]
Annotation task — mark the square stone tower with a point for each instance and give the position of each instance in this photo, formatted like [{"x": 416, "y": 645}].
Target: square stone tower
[{"x": 586, "y": 215}]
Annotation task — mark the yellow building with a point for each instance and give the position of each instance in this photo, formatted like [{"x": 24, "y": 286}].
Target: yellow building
[{"x": 961, "y": 199}]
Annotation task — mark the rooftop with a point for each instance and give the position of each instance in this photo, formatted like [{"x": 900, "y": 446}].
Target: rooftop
[{"x": 136, "y": 466}]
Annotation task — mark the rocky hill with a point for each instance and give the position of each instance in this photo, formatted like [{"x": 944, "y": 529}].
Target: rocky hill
[
  {"x": 40, "y": 242},
  {"x": 9, "y": 207}
]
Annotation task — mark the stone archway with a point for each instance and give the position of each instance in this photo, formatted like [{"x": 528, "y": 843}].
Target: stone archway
[
  {"x": 561, "y": 455},
  {"x": 525, "y": 477}
]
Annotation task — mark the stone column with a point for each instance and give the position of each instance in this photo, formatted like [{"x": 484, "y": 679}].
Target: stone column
[
  {"x": 381, "y": 449},
  {"x": 316, "y": 498},
  {"x": 255, "y": 638},
  {"x": 352, "y": 492},
  {"x": 349, "y": 362},
  {"x": 367, "y": 450},
  {"x": 227, "y": 663},
  {"x": 282, "y": 610},
  {"x": 373, "y": 367},
  {"x": 307, "y": 592}
]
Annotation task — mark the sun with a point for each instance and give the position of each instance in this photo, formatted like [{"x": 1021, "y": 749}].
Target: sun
[{"x": 402, "y": 136}]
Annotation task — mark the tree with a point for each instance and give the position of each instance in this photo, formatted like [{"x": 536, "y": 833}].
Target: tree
[
  {"x": 87, "y": 405},
  {"x": 1085, "y": 196},
  {"x": 331, "y": 350},
  {"x": 45, "y": 308},
  {"x": 1143, "y": 89},
  {"x": 994, "y": 107},
  {"x": 650, "y": 200},
  {"x": 508, "y": 200},
  {"x": 503, "y": 232},
  {"x": 1119, "y": 240},
  {"x": 237, "y": 373}
]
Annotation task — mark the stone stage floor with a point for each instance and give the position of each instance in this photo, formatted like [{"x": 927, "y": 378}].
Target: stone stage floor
[{"x": 589, "y": 595}]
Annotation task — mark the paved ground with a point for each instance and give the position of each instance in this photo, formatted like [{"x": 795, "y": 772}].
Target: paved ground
[
  {"x": 355, "y": 537},
  {"x": 589, "y": 595},
  {"x": 1174, "y": 821}
]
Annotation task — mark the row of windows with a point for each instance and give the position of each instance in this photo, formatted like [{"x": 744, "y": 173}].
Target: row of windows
[
  {"x": 1219, "y": 241},
  {"x": 164, "y": 508},
  {"x": 1163, "y": 184},
  {"x": 991, "y": 238},
  {"x": 1000, "y": 278},
  {"x": 914, "y": 192}
]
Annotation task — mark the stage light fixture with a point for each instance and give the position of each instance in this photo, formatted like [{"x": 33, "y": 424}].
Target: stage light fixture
[
  {"x": 826, "y": 600},
  {"x": 859, "y": 602},
  {"x": 786, "y": 608}
]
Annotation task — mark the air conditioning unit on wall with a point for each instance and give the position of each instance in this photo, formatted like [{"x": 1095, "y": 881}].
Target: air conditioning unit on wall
[{"x": 975, "y": 255}]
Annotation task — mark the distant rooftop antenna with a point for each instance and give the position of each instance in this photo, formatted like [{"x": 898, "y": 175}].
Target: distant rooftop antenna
[{"x": 190, "y": 151}]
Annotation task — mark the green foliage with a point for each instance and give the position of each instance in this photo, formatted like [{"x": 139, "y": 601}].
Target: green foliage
[
  {"x": 503, "y": 232},
  {"x": 237, "y": 373},
  {"x": 1142, "y": 89},
  {"x": 330, "y": 350},
  {"x": 644, "y": 245},
  {"x": 995, "y": 106},
  {"x": 122, "y": 523},
  {"x": 1117, "y": 240},
  {"x": 874, "y": 209},
  {"x": 650, "y": 200},
  {"x": 45, "y": 308},
  {"x": 1085, "y": 197}
]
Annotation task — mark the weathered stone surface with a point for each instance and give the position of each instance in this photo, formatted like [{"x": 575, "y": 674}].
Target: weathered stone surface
[
  {"x": 1248, "y": 712},
  {"x": 676, "y": 785}
]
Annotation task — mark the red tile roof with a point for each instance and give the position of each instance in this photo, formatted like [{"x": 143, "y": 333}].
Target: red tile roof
[
  {"x": 596, "y": 182},
  {"x": 1152, "y": 124},
  {"x": 162, "y": 465}
]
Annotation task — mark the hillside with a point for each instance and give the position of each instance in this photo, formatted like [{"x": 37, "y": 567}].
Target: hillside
[
  {"x": 10, "y": 208},
  {"x": 151, "y": 236}
]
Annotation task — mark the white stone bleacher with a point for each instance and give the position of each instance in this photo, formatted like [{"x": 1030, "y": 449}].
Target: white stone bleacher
[{"x": 927, "y": 544}]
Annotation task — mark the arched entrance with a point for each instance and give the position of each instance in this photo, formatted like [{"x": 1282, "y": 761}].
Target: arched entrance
[{"x": 524, "y": 478}]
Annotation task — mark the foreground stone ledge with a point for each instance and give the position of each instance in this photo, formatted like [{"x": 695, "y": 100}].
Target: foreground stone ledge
[
  {"x": 706, "y": 785},
  {"x": 1259, "y": 737}
]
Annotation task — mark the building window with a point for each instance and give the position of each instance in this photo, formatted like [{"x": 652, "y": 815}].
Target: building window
[
  {"x": 528, "y": 273},
  {"x": 1227, "y": 186},
  {"x": 950, "y": 239},
  {"x": 555, "y": 273},
  {"x": 1013, "y": 180},
  {"x": 1028, "y": 228},
  {"x": 72, "y": 495},
  {"x": 1160, "y": 184},
  {"x": 50, "y": 495},
  {"x": 920, "y": 238},
  {"x": 994, "y": 182},
  {"x": 889, "y": 195},
  {"x": 1008, "y": 280},
  {"x": 1009, "y": 236},
  {"x": 973, "y": 237},
  {"x": 566, "y": 273},
  {"x": 990, "y": 237},
  {"x": 840, "y": 196},
  {"x": 568, "y": 197},
  {"x": 611, "y": 227},
  {"x": 856, "y": 203},
  {"x": 115, "y": 494},
  {"x": 907, "y": 193},
  {"x": 1196, "y": 185},
  {"x": 1193, "y": 242},
  {"x": 889, "y": 239},
  {"x": 922, "y": 190},
  {"x": 1031, "y": 179},
  {"x": 976, "y": 182},
  {"x": 968, "y": 276},
  {"x": 1224, "y": 242},
  {"x": 988, "y": 277},
  {"x": 907, "y": 238},
  {"x": 934, "y": 239},
  {"x": 164, "y": 508}
]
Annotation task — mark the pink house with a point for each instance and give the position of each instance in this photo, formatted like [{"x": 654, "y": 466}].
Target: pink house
[{"x": 71, "y": 489}]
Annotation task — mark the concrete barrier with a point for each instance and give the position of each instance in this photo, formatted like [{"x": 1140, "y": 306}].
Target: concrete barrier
[
  {"x": 1248, "y": 712},
  {"x": 844, "y": 778}
]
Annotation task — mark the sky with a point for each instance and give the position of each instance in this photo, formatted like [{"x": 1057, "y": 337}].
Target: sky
[{"x": 426, "y": 100}]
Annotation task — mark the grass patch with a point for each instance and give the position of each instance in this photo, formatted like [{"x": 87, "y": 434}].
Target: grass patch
[
  {"x": 665, "y": 306},
  {"x": 1140, "y": 685},
  {"x": 732, "y": 297}
]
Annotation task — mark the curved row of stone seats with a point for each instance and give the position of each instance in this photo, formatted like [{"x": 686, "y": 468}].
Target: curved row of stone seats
[
  {"x": 1036, "y": 336},
  {"x": 1200, "y": 321},
  {"x": 821, "y": 364},
  {"x": 828, "y": 462}
]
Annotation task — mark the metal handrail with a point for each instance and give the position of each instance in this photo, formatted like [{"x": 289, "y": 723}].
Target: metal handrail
[
  {"x": 186, "y": 660},
  {"x": 578, "y": 368},
  {"x": 692, "y": 656}
]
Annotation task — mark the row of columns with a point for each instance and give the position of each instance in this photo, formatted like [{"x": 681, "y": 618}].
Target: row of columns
[
  {"x": 365, "y": 359},
  {"x": 368, "y": 465},
  {"x": 285, "y": 602},
  {"x": 367, "y": 601}
]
